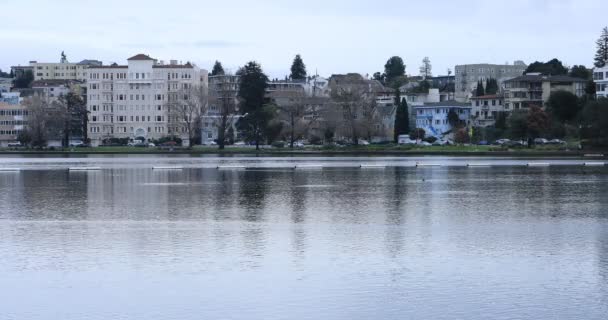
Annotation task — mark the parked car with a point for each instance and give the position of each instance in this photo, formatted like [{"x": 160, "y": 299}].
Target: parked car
[
  {"x": 482, "y": 143},
  {"x": 151, "y": 145},
  {"x": 210, "y": 143},
  {"x": 541, "y": 141},
  {"x": 136, "y": 143},
  {"x": 77, "y": 143},
  {"x": 556, "y": 141},
  {"x": 425, "y": 144},
  {"x": 363, "y": 142},
  {"x": 240, "y": 143},
  {"x": 15, "y": 144},
  {"x": 501, "y": 142}
]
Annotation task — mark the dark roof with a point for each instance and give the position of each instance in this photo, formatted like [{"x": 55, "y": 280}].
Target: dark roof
[
  {"x": 186, "y": 66},
  {"x": 451, "y": 103},
  {"x": 490, "y": 96},
  {"x": 140, "y": 56},
  {"x": 536, "y": 78},
  {"x": 113, "y": 66}
]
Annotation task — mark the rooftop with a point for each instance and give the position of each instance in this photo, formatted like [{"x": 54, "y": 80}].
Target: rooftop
[
  {"x": 489, "y": 96},
  {"x": 447, "y": 104},
  {"x": 140, "y": 56},
  {"x": 537, "y": 78}
]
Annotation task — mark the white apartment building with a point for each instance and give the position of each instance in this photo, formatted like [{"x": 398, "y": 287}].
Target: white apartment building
[
  {"x": 600, "y": 77},
  {"x": 131, "y": 101},
  {"x": 467, "y": 76}
]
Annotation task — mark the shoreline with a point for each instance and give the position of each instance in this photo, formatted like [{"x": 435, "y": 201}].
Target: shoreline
[{"x": 350, "y": 152}]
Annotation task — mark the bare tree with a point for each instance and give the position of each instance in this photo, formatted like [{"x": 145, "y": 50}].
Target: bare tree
[
  {"x": 44, "y": 121},
  {"x": 223, "y": 110},
  {"x": 298, "y": 114},
  {"x": 185, "y": 110},
  {"x": 356, "y": 103}
]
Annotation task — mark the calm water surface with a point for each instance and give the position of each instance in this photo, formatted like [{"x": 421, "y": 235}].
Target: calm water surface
[{"x": 128, "y": 242}]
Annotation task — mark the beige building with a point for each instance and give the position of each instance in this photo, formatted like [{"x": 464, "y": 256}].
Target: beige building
[
  {"x": 63, "y": 70},
  {"x": 485, "y": 110},
  {"x": 13, "y": 118},
  {"x": 131, "y": 101},
  {"x": 535, "y": 89}
]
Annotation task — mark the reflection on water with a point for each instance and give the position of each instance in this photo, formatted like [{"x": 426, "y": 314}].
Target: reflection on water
[{"x": 434, "y": 243}]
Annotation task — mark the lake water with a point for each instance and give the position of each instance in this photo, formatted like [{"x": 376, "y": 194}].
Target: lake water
[{"x": 340, "y": 242}]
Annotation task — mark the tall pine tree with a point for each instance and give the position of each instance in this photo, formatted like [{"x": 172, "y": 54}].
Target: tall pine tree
[
  {"x": 601, "y": 55},
  {"x": 298, "y": 69},
  {"x": 480, "y": 91},
  {"x": 491, "y": 86},
  {"x": 402, "y": 119},
  {"x": 252, "y": 90},
  {"x": 218, "y": 70}
]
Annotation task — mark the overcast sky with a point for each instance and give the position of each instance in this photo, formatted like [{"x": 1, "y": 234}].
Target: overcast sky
[{"x": 333, "y": 36}]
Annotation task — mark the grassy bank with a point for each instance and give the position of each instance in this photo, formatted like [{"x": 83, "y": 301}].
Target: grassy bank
[{"x": 548, "y": 150}]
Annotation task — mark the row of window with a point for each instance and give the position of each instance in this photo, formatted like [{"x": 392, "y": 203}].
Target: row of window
[
  {"x": 124, "y": 129},
  {"x": 10, "y": 132},
  {"x": 107, "y": 118},
  {"x": 110, "y": 108},
  {"x": 136, "y": 75},
  {"x": 485, "y": 103},
  {"x": 599, "y": 75},
  {"x": 13, "y": 112},
  {"x": 12, "y": 122}
]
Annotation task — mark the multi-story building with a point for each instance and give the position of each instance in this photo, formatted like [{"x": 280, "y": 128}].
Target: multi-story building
[
  {"x": 417, "y": 99},
  {"x": 62, "y": 70},
  {"x": 132, "y": 101},
  {"x": 13, "y": 118},
  {"x": 600, "y": 77},
  {"x": 467, "y": 76},
  {"x": 535, "y": 89},
  {"x": 433, "y": 117},
  {"x": 485, "y": 109}
]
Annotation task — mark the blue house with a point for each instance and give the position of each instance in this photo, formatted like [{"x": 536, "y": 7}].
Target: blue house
[{"x": 433, "y": 117}]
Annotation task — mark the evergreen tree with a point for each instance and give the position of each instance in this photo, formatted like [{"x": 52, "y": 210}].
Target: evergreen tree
[
  {"x": 218, "y": 70},
  {"x": 491, "y": 86},
  {"x": 552, "y": 67},
  {"x": 426, "y": 68},
  {"x": 252, "y": 90},
  {"x": 601, "y": 55},
  {"x": 298, "y": 69},
  {"x": 402, "y": 119},
  {"x": 394, "y": 72},
  {"x": 12, "y": 74},
  {"x": 480, "y": 91},
  {"x": 580, "y": 72},
  {"x": 25, "y": 80}
]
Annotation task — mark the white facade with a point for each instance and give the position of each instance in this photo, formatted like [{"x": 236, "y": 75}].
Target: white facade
[
  {"x": 130, "y": 101},
  {"x": 600, "y": 77},
  {"x": 433, "y": 117}
]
